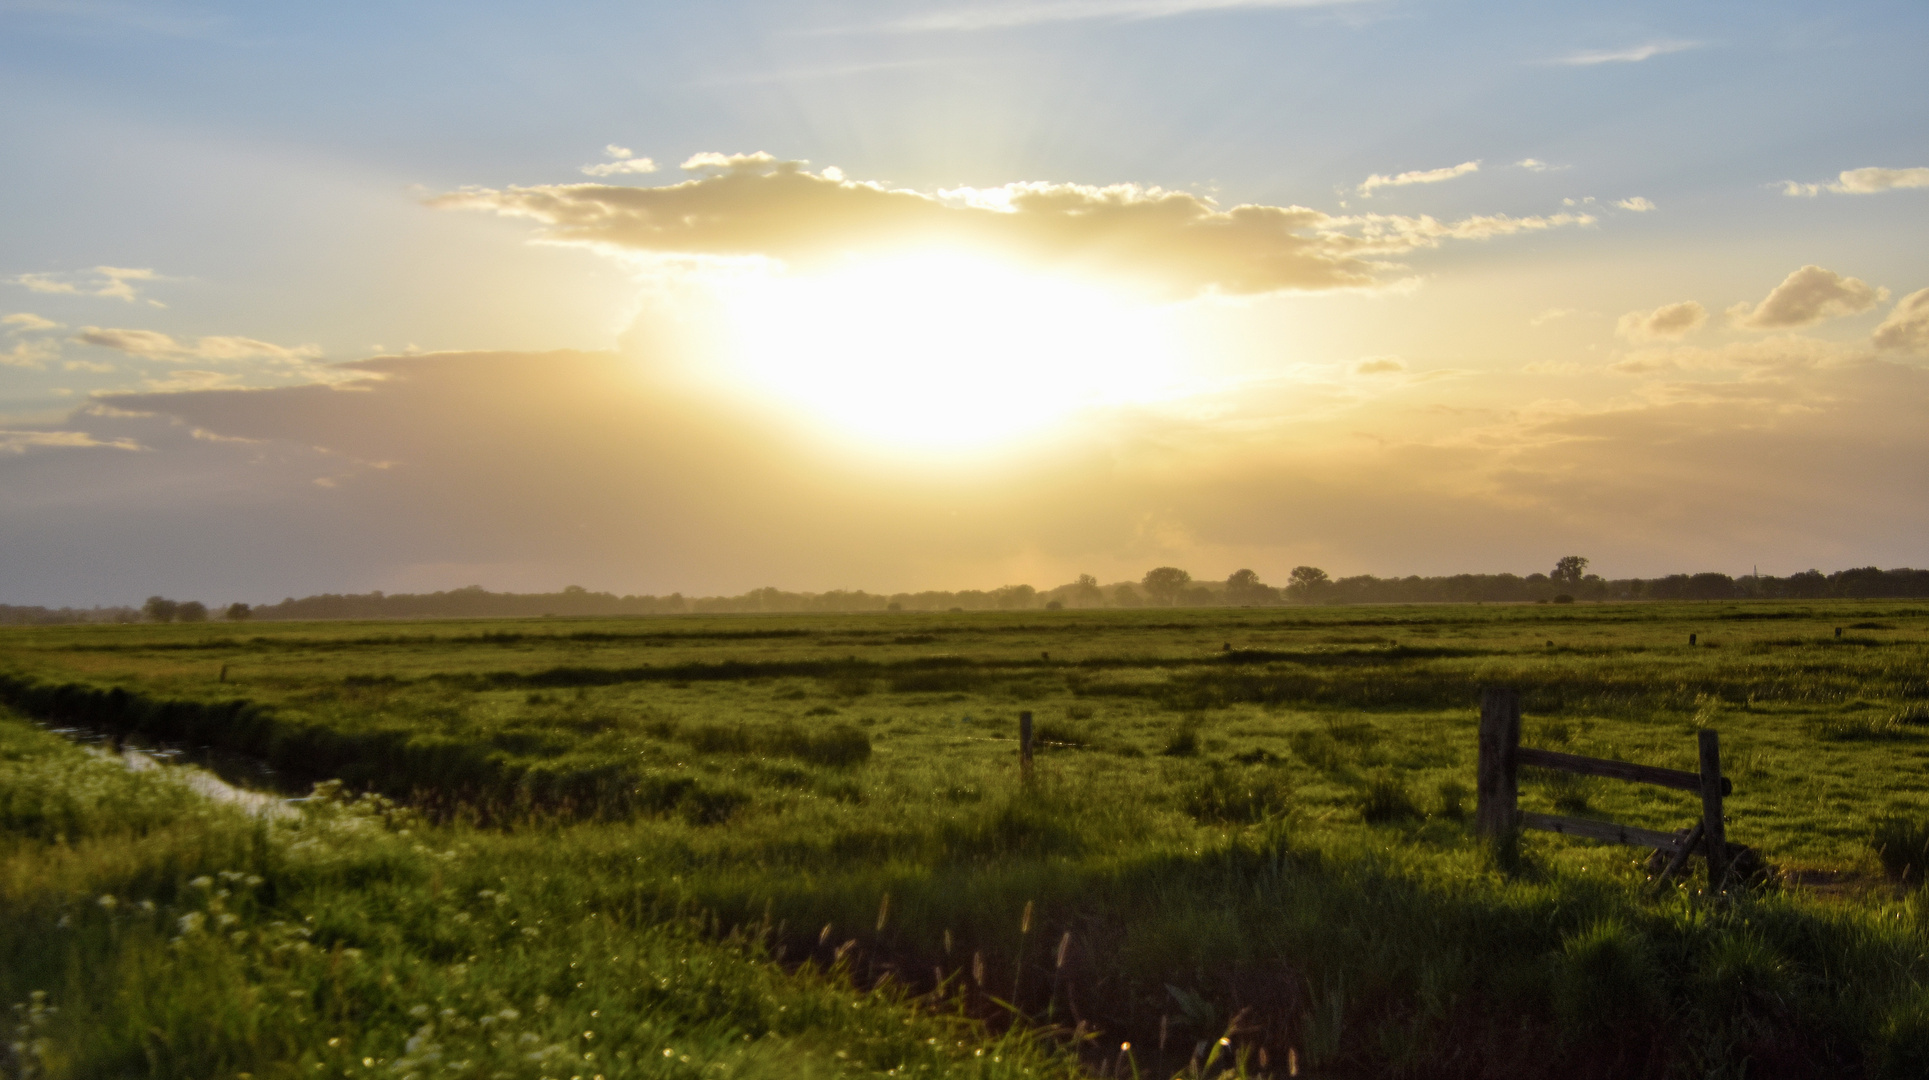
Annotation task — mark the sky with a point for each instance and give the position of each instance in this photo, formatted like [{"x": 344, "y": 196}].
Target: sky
[{"x": 657, "y": 297}]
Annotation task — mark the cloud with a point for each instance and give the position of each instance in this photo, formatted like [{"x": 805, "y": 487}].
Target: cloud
[
  {"x": 1779, "y": 356},
  {"x": 1379, "y": 365},
  {"x": 20, "y": 442},
  {"x": 113, "y": 282},
  {"x": 1537, "y": 165},
  {"x": 1670, "y": 322},
  {"x": 1907, "y": 327},
  {"x": 26, "y": 323},
  {"x": 1632, "y": 55},
  {"x": 753, "y": 206},
  {"x": 154, "y": 345},
  {"x": 1862, "y": 182},
  {"x": 624, "y": 161},
  {"x": 1426, "y": 176},
  {"x": 32, "y": 354},
  {"x": 1637, "y": 204},
  {"x": 530, "y": 470},
  {"x": 1002, "y": 16},
  {"x": 1806, "y": 297}
]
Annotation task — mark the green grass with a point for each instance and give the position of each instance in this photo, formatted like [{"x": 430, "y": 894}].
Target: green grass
[{"x": 1274, "y": 832}]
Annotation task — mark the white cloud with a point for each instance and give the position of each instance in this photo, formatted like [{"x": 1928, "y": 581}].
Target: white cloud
[
  {"x": 1907, "y": 327},
  {"x": 1537, "y": 165},
  {"x": 1669, "y": 322},
  {"x": 623, "y": 161},
  {"x": 1862, "y": 182},
  {"x": 1421, "y": 176},
  {"x": 24, "y": 322},
  {"x": 753, "y": 206},
  {"x": 154, "y": 345},
  {"x": 1001, "y": 16},
  {"x": 1806, "y": 297},
  {"x": 1638, "y": 204},
  {"x": 113, "y": 282},
  {"x": 1632, "y": 55}
]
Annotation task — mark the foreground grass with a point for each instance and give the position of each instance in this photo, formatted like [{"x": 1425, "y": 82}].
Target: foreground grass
[
  {"x": 149, "y": 933},
  {"x": 1245, "y": 820}
]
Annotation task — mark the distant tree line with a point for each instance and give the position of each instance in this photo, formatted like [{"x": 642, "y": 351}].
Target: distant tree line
[{"x": 1165, "y": 586}]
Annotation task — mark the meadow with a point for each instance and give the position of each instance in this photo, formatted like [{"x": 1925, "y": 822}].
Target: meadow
[{"x": 799, "y": 845}]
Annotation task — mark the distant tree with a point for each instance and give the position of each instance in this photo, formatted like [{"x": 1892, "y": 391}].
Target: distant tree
[
  {"x": 238, "y": 613},
  {"x": 1306, "y": 582},
  {"x": 1085, "y": 592},
  {"x": 1244, "y": 587},
  {"x": 160, "y": 609},
  {"x": 1165, "y": 584},
  {"x": 1569, "y": 570},
  {"x": 1127, "y": 596},
  {"x": 1014, "y": 596},
  {"x": 192, "y": 611}
]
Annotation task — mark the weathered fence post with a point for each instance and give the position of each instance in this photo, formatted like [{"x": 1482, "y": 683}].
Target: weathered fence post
[
  {"x": 1024, "y": 745},
  {"x": 1714, "y": 838},
  {"x": 1496, "y": 790}
]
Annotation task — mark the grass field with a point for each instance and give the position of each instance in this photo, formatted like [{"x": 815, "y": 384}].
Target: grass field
[{"x": 1251, "y": 821}]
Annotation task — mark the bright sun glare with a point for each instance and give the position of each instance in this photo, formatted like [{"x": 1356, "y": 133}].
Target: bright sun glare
[{"x": 945, "y": 352}]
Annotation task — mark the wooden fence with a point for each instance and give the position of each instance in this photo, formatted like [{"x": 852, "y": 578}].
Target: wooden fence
[{"x": 1498, "y": 812}]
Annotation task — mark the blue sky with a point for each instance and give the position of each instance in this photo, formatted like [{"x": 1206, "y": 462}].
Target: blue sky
[{"x": 272, "y": 173}]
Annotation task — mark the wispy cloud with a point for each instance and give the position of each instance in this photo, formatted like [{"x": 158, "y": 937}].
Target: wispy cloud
[
  {"x": 1419, "y": 176},
  {"x": 1638, "y": 204},
  {"x": 1632, "y": 55},
  {"x": 1862, "y": 182},
  {"x": 154, "y": 345},
  {"x": 1000, "y": 16},
  {"x": 113, "y": 282}
]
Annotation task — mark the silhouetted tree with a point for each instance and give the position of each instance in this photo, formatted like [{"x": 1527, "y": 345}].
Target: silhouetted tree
[
  {"x": 1165, "y": 584},
  {"x": 192, "y": 611},
  {"x": 1244, "y": 587},
  {"x": 1306, "y": 582},
  {"x": 1569, "y": 570},
  {"x": 160, "y": 609},
  {"x": 1127, "y": 596},
  {"x": 237, "y": 613}
]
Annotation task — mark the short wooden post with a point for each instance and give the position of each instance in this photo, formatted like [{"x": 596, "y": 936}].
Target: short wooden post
[
  {"x": 1714, "y": 838},
  {"x": 1024, "y": 745},
  {"x": 1496, "y": 789}
]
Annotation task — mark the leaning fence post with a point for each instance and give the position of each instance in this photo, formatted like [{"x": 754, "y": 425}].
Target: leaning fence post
[
  {"x": 1713, "y": 836},
  {"x": 1024, "y": 745},
  {"x": 1496, "y": 791}
]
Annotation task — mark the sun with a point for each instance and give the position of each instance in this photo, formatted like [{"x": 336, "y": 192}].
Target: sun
[{"x": 944, "y": 351}]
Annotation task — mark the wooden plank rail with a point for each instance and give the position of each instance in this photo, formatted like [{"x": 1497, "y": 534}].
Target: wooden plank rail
[
  {"x": 1615, "y": 770},
  {"x": 1605, "y": 831}
]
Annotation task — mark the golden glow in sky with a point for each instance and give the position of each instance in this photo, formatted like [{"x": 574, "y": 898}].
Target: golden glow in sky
[{"x": 945, "y": 352}]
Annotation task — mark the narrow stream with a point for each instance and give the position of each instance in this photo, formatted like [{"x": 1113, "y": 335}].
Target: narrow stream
[{"x": 218, "y": 777}]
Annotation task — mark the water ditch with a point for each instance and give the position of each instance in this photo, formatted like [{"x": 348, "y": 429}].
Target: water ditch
[{"x": 214, "y": 775}]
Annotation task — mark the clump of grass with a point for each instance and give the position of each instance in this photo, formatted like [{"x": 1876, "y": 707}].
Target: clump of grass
[
  {"x": 1387, "y": 798},
  {"x": 1224, "y": 795},
  {"x": 1606, "y": 983},
  {"x": 839, "y": 745},
  {"x": 1320, "y": 750},
  {"x": 1060, "y": 734},
  {"x": 1863, "y": 728},
  {"x": 1184, "y": 741},
  {"x": 1452, "y": 797},
  {"x": 1078, "y": 710},
  {"x": 1901, "y": 841}
]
